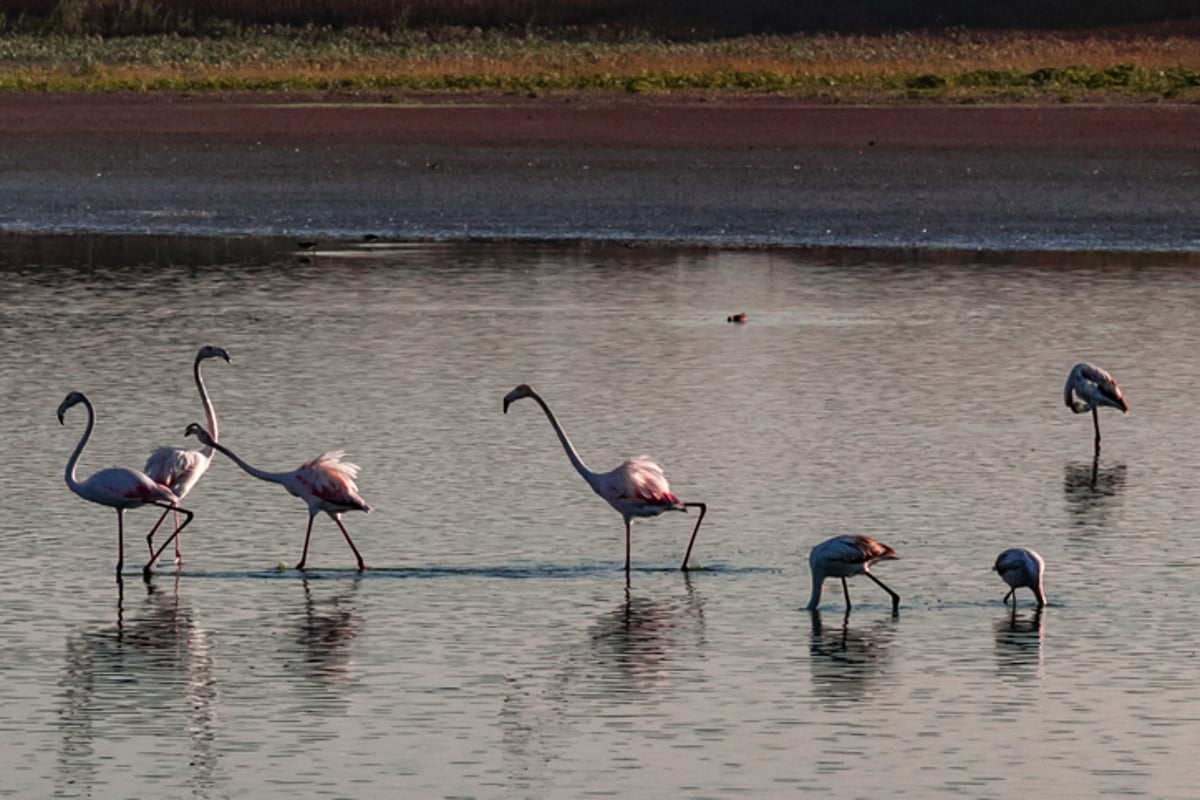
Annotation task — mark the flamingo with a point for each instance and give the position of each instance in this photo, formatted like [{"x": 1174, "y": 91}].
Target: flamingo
[
  {"x": 843, "y": 557},
  {"x": 1089, "y": 387},
  {"x": 326, "y": 484},
  {"x": 1019, "y": 567},
  {"x": 182, "y": 469},
  {"x": 117, "y": 487},
  {"x": 637, "y": 488}
]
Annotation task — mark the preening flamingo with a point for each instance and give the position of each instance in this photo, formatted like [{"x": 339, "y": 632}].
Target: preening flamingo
[
  {"x": 116, "y": 487},
  {"x": 843, "y": 557},
  {"x": 326, "y": 484},
  {"x": 1019, "y": 567},
  {"x": 637, "y": 488},
  {"x": 1089, "y": 387},
  {"x": 181, "y": 469}
]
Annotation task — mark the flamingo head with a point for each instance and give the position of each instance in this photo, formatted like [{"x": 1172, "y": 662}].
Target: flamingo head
[
  {"x": 71, "y": 399},
  {"x": 208, "y": 351},
  {"x": 524, "y": 390},
  {"x": 195, "y": 429}
]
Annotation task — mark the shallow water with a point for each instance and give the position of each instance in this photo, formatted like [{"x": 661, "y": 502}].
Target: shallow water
[{"x": 492, "y": 650}]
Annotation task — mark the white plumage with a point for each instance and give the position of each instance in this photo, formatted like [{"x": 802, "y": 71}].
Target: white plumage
[
  {"x": 1088, "y": 388},
  {"x": 843, "y": 557},
  {"x": 1019, "y": 566}
]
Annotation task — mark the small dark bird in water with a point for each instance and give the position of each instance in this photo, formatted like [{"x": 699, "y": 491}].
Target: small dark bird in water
[{"x": 737, "y": 317}]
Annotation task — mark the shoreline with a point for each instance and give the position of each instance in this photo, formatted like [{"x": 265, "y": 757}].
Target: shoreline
[{"x": 738, "y": 172}]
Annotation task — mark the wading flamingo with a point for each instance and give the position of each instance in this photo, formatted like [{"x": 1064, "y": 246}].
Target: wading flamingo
[
  {"x": 637, "y": 488},
  {"x": 1021, "y": 567},
  {"x": 181, "y": 469},
  {"x": 117, "y": 487},
  {"x": 326, "y": 483},
  {"x": 843, "y": 557},
  {"x": 1089, "y": 387}
]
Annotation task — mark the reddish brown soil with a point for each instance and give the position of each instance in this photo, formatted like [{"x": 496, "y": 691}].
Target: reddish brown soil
[{"x": 754, "y": 122}]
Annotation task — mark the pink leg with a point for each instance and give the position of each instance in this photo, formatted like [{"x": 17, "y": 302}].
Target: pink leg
[
  {"x": 178, "y": 552},
  {"x": 703, "y": 510},
  {"x": 163, "y": 546},
  {"x": 154, "y": 530},
  {"x": 307, "y": 534},
  {"x": 361, "y": 565}
]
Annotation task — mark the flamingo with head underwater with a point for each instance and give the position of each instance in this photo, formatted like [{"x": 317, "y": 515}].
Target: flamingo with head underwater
[
  {"x": 843, "y": 557},
  {"x": 182, "y": 469},
  {"x": 326, "y": 484},
  {"x": 1089, "y": 387},
  {"x": 1020, "y": 566},
  {"x": 117, "y": 487},
  {"x": 637, "y": 488}
]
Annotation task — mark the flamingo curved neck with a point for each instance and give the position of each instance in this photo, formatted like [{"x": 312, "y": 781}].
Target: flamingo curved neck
[
  {"x": 83, "y": 440},
  {"x": 815, "y": 599},
  {"x": 273, "y": 477},
  {"x": 576, "y": 461},
  {"x": 209, "y": 411}
]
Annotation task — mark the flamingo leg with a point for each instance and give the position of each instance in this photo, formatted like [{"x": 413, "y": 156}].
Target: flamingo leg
[
  {"x": 1096, "y": 424},
  {"x": 846, "y": 591},
  {"x": 895, "y": 597},
  {"x": 307, "y": 534},
  {"x": 1011, "y": 592},
  {"x": 703, "y": 510},
  {"x": 120, "y": 542},
  {"x": 627, "y": 521},
  {"x": 178, "y": 552},
  {"x": 154, "y": 530},
  {"x": 173, "y": 536},
  {"x": 361, "y": 565}
]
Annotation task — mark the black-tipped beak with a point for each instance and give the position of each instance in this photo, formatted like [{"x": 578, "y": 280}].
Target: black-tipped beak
[
  {"x": 506, "y": 403},
  {"x": 61, "y": 421}
]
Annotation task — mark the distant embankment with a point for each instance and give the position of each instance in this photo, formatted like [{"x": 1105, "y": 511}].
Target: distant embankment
[{"x": 674, "y": 18}]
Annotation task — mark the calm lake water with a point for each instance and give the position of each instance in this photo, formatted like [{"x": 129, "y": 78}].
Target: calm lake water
[{"x": 492, "y": 649}]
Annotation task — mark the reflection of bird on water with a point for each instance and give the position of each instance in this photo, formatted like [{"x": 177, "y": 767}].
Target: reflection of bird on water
[
  {"x": 116, "y": 487},
  {"x": 1088, "y": 388},
  {"x": 1019, "y": 641},
  {"x": 1089, "y": 488},
  {"x": 637, "y": 488},
  {"x": 637, "y": 651},
  {"x": 843, "y": 557},
  {"x": 329, "y": 627},
  {"x": 846, "y": 661},
  {"x": 1021, "y": 567},
  {"x": 150, "y": 675}
]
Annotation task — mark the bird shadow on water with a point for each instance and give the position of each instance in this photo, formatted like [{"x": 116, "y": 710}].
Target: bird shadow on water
[
  {"x": 318, "y": 647},
  {"x": 631, "y": 658},
  {"x": 1091, "y": 490},
  {"x": 1019, "y": 638},
  {"x": 155, "y": 657},
  {"x": 848, "y": 663}
]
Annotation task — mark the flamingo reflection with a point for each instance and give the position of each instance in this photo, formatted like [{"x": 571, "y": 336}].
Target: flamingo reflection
[
  {"x": 1019, "y": 640},
  {"x": 1090, "y": 490},
  {"x": 847, "y": 662},
  {"x": 154, "y": 658}
]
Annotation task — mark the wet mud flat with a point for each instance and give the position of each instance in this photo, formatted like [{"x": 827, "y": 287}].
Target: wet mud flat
[{"x": 746, "y": 171}]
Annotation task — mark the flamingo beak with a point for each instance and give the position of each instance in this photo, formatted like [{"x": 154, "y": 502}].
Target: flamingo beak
[{"x": 507, "y": 402}]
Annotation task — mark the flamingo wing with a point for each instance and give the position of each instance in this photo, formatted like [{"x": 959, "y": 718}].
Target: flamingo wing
[
  {"x": 172, "y": 466},
  {"x": 125, "y": 488},
  {"x": 639, "y": 480},
  {"x": 1089, "y": 386},
  {"x": 331, "y": 480}
]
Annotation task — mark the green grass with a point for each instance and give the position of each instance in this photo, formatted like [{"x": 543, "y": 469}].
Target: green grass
[{"x": 958, "y": 66}]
